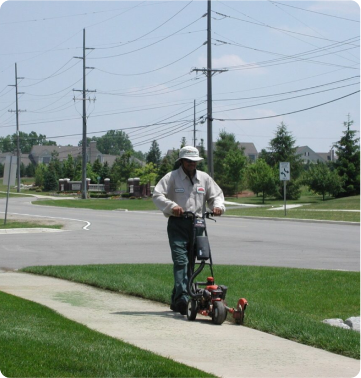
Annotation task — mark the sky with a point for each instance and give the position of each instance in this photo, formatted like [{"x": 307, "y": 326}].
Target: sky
[{"x": 296, "y": 62}]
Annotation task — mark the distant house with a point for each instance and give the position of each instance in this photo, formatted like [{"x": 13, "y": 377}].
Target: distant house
[
  {"x": 249, "y": 150},
  {"x": 309, "y": 156},
  {"x": 43, "y": 154},
  {"x": 24, "y": 158},
  {"x": 328, "y": 156}
]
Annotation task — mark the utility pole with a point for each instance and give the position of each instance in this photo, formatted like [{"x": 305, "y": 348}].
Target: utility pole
[
  {"x": 84, "y": 99},
  {"x": 209, "y": 73},
  {"x": 17, "y": 125},
  {"x": 194, "y": 125}
]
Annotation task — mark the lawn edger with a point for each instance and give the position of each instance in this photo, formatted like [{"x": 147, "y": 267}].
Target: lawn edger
[{"x": 207, "y": 298}]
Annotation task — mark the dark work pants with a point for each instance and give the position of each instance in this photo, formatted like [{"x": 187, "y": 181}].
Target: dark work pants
[{"x": 180, "y": 235}]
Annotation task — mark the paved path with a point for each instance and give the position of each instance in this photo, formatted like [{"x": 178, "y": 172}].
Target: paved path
[{"x": 226, "y": 351}]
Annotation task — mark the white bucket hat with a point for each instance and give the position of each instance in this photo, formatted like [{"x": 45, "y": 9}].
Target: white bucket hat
[{"x": 190, "y": 153}]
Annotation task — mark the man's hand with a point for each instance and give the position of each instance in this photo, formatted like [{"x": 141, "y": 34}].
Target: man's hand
[
  {"x": 177, "y": 211},
  {"x": 217, "y": 211}
]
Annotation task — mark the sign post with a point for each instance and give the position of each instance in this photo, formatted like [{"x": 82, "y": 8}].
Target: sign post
[
  {"x": 9, "y": 178},
  {"x": 285, "y": 175}
]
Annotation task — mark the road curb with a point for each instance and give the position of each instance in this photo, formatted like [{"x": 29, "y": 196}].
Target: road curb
[{"x": 296, "y": 220}]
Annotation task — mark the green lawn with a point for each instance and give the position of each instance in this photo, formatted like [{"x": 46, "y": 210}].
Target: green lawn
[
  {"x": 311, "y": 209},
  {"x": 289, "y": 303},
  {"x": 16, "y": 224},
  {"x": 102, "y": 204},
  {"x": 37, "y": 342}
]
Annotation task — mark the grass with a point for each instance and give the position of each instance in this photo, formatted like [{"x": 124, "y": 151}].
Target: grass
[
  {"x": 311, "y": 209},
  {"x": 13, "y": 190},
  {"x": 37, "y": 342},
  {"x": 290, "y": 303},
  {"x": 102, "y": 204},
  {"x": 15, "y": 224}
]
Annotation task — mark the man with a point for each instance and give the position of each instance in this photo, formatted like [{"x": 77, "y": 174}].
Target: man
[{"x": 185, "y": 189}]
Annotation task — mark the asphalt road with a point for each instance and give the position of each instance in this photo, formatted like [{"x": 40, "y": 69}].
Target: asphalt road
[{"x": 101, "y": 237}]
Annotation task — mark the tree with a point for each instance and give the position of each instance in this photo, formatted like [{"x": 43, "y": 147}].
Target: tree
[
  {"x": 123, "y": 168},
  {"x": 234, "y": 166},
  {"x": 321, "y": 180},
  {"x": 90, "y": 174},
  {"x": 27, "y": 141},
  {"x": 262, "y": 178},
  {"x": 39, "y": 174},
  {"x": 139, "y": 155},
  {"x": 97, "y": 168},
  {"x": 225, "y": 144},
  {"x": 146, "y": 174},
  {"x": 113, "y": 142},
  {"x": 282, "y": 149},
  {"x": 265, "y": 155},
  {"x": 50, "y": 179},
  {"x": 56, "y": 165},
  {"x": 30, "y": 170},
  {"x": 69, "y": 168},
  {"x": 183, "y": 142},
  {"x": 167, "y": 164},
  {"x": 154, "y": 154},
  {"x": 202, "y": 165},
  {"x": 348, "y": 162},
  {"x": 105, "y": 172},
  {"x": 78, "y": 170},
  {"x": 7, "y": 144}
]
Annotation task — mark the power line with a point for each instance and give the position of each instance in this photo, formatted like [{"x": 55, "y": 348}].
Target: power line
[
  {"x": 152, "y": 44},
  {"x": 52, "y": 75},
  {"x": 279, "y": 115},
  {"x": 315, "y": 31},
  {"x": 308, "y": 10},
  {"x": 286, "y": 99},
  {"x": 157, "y": 69},
  {"x": 159, "y": 92},
  {"x": 296, "y": 57},
  {"x": 283, "y": 93}
]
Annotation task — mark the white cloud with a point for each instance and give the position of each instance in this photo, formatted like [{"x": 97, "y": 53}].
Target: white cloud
[{"x": 232, "y": 61}]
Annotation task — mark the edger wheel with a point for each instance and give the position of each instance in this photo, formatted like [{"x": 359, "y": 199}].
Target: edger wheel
[
  {"x": 241, "y": 307},
  {"x": 219, "y": 313},
  {"x": 192, "y": 309}
]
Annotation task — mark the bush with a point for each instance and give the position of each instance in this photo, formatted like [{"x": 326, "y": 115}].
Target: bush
[
  {"x": 98, "y": 195},
  {"x": 125, "y": 195}
]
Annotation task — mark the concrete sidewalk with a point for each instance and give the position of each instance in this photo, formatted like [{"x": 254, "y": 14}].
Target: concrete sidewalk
[{"x": 226, "y": 351}]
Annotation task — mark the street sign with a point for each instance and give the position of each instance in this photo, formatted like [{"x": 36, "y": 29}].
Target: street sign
[
  {"x": 285, "y": 171},
  {"x": 10, "y": 170}
]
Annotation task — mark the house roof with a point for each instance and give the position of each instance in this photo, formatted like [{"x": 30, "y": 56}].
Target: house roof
[
  {"x": 63, "y": 151},
  {"x": 249, "y": 148}
]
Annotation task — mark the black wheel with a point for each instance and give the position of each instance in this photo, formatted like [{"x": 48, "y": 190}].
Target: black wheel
[
  {"x": 192, "y": 309},
  {"x": 219, "y": 313}
]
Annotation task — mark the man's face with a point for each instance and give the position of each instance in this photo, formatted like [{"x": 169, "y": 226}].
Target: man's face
[{"x": 189, "y": 166}]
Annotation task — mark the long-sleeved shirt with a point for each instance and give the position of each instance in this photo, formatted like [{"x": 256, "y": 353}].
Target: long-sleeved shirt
[{"x": 176, "y": 189}]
